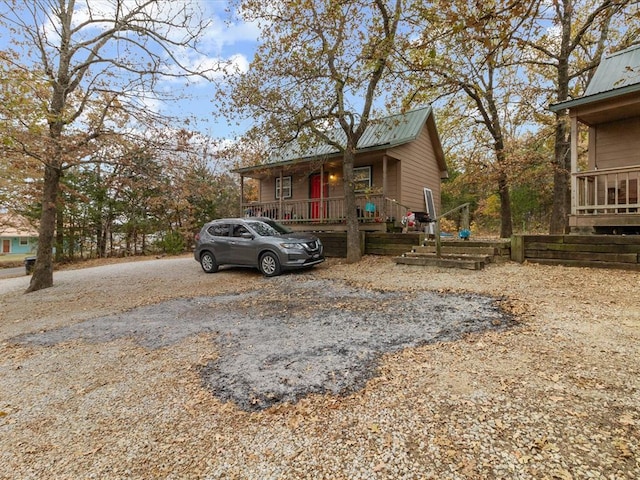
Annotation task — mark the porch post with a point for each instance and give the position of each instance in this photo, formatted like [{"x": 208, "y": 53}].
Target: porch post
[
  {"x": 384, "y": 187},
  {"x": 279, "y": 215},
  {"x": 574, "y": 164},
  {"x": 321, "y": 206},
  {"x": 241, "y": 195}
]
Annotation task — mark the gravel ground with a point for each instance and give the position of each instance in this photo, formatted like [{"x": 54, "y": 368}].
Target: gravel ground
[{"x": 154, "y": 369}]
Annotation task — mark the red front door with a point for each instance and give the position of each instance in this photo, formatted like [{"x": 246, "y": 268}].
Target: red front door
[
  {"x": 318, "y": 190},
  {"x": 6, "y": 246}
]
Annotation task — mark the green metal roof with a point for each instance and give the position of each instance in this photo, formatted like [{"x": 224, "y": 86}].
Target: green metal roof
[
  {"x": 617, "y": 74},
  {"x": 385, "y": 133}
]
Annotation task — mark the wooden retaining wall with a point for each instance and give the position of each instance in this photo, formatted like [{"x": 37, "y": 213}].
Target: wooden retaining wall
[
  {"x": 608, "y": 251},
  {"x": 375, "y": 243}
]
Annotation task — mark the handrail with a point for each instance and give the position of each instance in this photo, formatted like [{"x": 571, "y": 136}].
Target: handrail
[
  {"x": 465, "y": 224},
  {"x": 396, "y": 202},
  {"x": 460, "y": 207}
]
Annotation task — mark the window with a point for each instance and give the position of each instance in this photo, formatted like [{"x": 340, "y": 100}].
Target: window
[
  {"x": 239, "y": 230},
  {"x": 219, "y": 230},
  {"x": 24, "y": 241},
  {"x": 285, "y": 188},
  {"x": 361, "y": 178}
]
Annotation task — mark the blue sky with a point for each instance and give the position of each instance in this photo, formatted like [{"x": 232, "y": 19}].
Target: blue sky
[{"x": 223, "y": 41}]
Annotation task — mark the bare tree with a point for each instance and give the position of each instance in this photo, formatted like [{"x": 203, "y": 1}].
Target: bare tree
[{"x": 96, "y": 57}]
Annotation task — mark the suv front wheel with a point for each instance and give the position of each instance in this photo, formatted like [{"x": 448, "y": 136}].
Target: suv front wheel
[
  {"x": 269, "y": 264},
  {"x": 208, "y": 262}
]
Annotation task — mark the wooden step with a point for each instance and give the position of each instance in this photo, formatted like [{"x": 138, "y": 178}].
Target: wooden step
[
  {"x": 489, "y": 252},
  {"x": 468, "y": 262}
]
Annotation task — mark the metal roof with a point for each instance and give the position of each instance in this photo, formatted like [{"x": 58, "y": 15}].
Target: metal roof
[
  {"x": 618, "y": 74},
  {"x": 616, "y": 71},
  {"x": 387, "y": 132}
]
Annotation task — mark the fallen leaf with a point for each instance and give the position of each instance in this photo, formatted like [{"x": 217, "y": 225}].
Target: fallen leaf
[
  {"x": 562, "y": 474},
  {"x": 625, "y": 419},
  {"x": 91, "y": 452},
  {"x": 623, "y": 448}
]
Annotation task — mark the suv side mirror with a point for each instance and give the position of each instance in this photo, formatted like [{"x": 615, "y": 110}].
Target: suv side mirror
[{"x": 247, "y": 235}]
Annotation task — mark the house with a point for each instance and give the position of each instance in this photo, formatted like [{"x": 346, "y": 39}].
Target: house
[
  {"x": 605, "y": 185},
  {"x": 17, "y": 235},
  {"x": 399, "y": 166}
]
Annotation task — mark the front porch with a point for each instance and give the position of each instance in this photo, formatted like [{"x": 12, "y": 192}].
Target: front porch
[
  {"x": 375, "y": 213},
  {"x": 606, "y": 201}
]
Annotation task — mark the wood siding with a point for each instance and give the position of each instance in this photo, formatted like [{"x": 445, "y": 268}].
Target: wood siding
[
  {"x": 299, "y": 186},
  {"x": 300, "y": 179},
  {"x": 419, "y": 169},
  {"x": 410, "y": 167},
  {"x": 617, "y": 144}
]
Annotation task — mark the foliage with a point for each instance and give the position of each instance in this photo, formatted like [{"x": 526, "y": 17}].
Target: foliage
[
  {"x": 560, "y": 61},
  {"x": 172, "y": 243},
  {"x": 148, "y": 200},
  {"x": 95, "y": 59},
  {"x": 318, "y": 69},
  {"x": 493, "y": 68},
  {"x": 474, "y": 63}
]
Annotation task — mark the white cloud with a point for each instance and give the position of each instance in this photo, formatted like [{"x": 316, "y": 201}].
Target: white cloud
[
  {"x": 223, "y": 34},
  {"x": 211, "y": 68}
]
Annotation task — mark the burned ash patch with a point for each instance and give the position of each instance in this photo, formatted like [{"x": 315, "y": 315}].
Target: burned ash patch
[{"x": 295, "y": 336}]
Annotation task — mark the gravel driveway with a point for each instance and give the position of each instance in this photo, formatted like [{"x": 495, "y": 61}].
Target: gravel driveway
[{"x": 154, "y": 369}]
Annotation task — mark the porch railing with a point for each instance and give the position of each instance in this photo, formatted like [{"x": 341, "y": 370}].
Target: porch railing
[
  {"x": 610, "y": 191},
  {"x": 373, "y": 208}
]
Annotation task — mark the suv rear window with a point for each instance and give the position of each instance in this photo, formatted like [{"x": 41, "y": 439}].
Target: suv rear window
[{"x": 219, "y": 230}]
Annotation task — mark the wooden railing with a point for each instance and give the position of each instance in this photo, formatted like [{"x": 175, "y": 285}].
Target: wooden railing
[
  {"x": 609, "y": 191},
  {"x": 327, "y": 210},
  {"x": 369, "y": 208}
]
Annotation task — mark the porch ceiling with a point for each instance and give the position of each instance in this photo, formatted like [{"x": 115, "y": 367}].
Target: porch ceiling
[
  {"x": 607, "y": 112},
  {"x": 267, "y": 171},
  {"x": 308, "y": 166}
]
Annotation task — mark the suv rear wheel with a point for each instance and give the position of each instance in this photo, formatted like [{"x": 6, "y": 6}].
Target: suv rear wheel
[
  {"x": 208, "y": 262},
  {"x": 269, "y": 264}
]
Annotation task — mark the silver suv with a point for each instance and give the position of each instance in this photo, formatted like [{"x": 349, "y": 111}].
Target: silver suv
[{"x": 255, "y": 242}]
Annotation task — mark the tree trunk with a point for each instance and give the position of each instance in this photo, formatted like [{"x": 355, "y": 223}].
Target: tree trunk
[
  {"x": 43, "y": 271},
  {"x": 101, "y": 241},
  {"x": 354, "y": 253},
  {"x": 506, "y": 224},
  {"x": 559, "y": 221},
  {"x": 59, "y": 243}
]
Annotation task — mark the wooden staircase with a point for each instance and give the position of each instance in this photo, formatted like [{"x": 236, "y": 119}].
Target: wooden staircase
[{"x": 471, "y": 255}]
